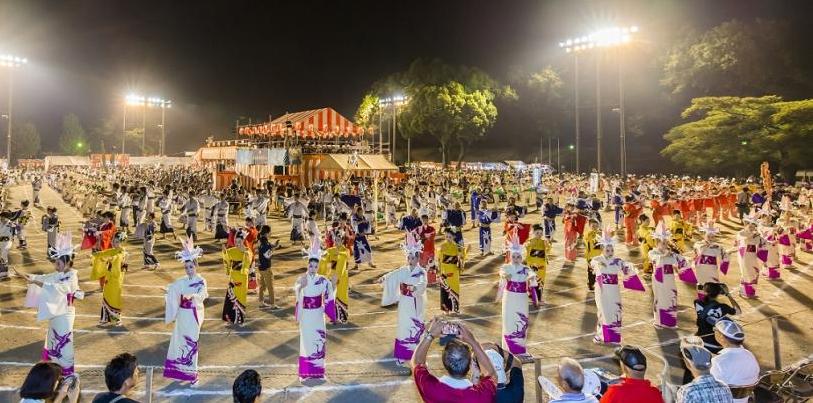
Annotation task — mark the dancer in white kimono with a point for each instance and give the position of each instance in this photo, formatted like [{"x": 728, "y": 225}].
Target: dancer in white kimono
[
  {"x": 184, "y": 306},
  {"x": 513, "y": 290},
  {"x": 752, "y": 254},
  {"x": 666, "y": 261},
  {"x": 53, "y": 295},
  {"x": 710, "y": 259},
  {"x": 297, "y": 212},
  {"x": 314, "y": 299},
  {"x": 608, "y": 269},
  {"x": 407, "y": 287}
]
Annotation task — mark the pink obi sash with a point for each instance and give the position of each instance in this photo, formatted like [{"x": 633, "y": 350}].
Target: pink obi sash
[
  {"x": 312, "y": 302},
  {"x": 517, "y": 286}
]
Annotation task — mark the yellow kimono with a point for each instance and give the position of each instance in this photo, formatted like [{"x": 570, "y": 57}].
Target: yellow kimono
[
  {"x": 334, "y": 263},
  {"x": 536, "y": 257},
  {"x": 450, "y": 260},
  {"x": 109, "y": 264},
  {"x": 591, "y": 248},
  {"x": 647, "y": 244},
  {"x": 237, "y": 264},
  {"x": 681, "y": 231}
]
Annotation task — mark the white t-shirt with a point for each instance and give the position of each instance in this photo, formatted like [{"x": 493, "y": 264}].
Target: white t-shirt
[{"x": 735, "y": 367}]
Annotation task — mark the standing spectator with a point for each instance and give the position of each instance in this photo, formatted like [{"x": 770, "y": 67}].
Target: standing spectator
[
  {"x": 120, "y": 376},
  {"x": 247, "y": 388},
  {"x": 735, "y": 366},
  {"x": 634, "y": 387},
  {"x": 704, "y": 388},
  {"x": 44, "y": 383},
  {"x": 264, "y": 252},
  {"x": 454, "y": 387}
]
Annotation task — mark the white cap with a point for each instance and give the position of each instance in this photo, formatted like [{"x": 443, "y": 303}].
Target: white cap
[{"x": 497, "y": 362}]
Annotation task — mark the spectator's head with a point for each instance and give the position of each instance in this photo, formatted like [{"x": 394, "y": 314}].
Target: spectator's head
[
  {"x": 695, "y": 355},
  {"x": 457, "y": 358},
  {"x": 265, "y": 230},
  {"x": 121, "y": 373},
  {"x": 247, "y": 387},
  {"x": 712, "y": 290},
  {"x": 632, "y": 361},
  {"x": 728, "y": 333},
  {"x": 42, "y": 381},
  {"x": 570, "y": 375}
]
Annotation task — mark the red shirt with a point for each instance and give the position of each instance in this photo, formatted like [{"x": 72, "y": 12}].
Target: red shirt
[
  {"x": 433, "y": 390},
  {"x": 632, "y": 390}
]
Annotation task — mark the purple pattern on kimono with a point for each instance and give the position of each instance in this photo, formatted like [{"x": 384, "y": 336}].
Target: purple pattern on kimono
[
  {"x": 667, "y": 317},
  {"x": 187, "y": 358},
  {"x": 516, "y": 286},
  {"x": 56, "y": 350},
  {"x": 406, "y": 347},
  {"x": 197, "y": 285},
  {"x": 522, "y": 329},
  {"x": 634, "y": 283},
  {"x": 687, "y": 276},
  {"x": 308, "y": 367}
]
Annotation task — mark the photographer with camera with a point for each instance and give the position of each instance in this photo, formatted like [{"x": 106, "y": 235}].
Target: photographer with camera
[
  {"x": 459, "y": 343},
  {"x": 45, "y": 383},
  {"x": 709, "y": 311}
]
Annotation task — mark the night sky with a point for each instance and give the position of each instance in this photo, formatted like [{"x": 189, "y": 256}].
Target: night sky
[{"x": 219, "y": 60}]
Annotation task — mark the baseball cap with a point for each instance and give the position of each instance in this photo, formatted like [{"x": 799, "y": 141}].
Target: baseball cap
[
  {"x": 632, "y": 357},
  {"x": 694, "y": 352},
  {"x": 730, "y": 329},
  {"x": 497, "y": 361}
]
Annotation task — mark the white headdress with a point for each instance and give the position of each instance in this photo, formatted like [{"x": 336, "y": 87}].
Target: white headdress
[
  {"x": 751, "y": 218},
  {"x": 188, "y": 252},
  {"x": 514, "y": 246},
  {"x": 661, "y": 233},
  {"x": 315, "y": 250},
  {"x": 63, "y": 246},
  {"x": 606, "y": 238},
  {"x": 412, "y": 245},
  {"x": 709, "y": 228}
]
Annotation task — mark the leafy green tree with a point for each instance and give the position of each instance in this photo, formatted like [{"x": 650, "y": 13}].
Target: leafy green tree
[
  {"x": 105, "y": 135},
  {"x": 735, "y": 58},
  {"x": 734, "y": 135},
  {"x": 367, "y": 112},
  {"x": 25, "y": 142},
  {"x": 73, "y": 140}
]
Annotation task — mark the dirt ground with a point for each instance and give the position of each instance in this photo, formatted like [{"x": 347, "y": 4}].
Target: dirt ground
[{"x": 360, "y": 366}]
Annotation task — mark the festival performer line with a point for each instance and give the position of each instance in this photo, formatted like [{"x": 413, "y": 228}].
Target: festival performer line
[
  {"x": 184, "y": 306},
  {"x": 536, "y": 258},
  {"x": 54, "y": 295},
  {"x": 608, "y": 269},
  {"x": 407, "y": 287},
  {"x": 710, "y": 258},
  {"x": 450, "y": 261},
  {"x": 515, "y": 279},
  {"x": 314, "y": 301},
  {"x": 237, "y": 261},
  {"x": 109, "y": 266},
  {"x": 334, "y": 266},
  {"x": 666, "y": 261}
]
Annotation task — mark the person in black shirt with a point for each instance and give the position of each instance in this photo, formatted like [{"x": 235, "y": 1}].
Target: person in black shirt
[
  {"x": 709, "y": 311},
  {"x": 264, "y": 252},
  {"x": 120, "y": 376}
]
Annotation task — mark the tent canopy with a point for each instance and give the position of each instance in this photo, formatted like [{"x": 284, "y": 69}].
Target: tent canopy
[{"x": 314, "y": 123}]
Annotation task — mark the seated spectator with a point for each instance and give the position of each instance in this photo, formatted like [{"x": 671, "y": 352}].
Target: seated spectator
[
  {"x": 634, "y": 387},
  {"x": 247, "y": 388},
  {"x": 570, "y": 381},
  {"x": 453, "y": 387},
  {"x": 735, "y": 366},
  {"x": 709, "y": 310},
  {"x": 704, "y": 388},
  {"x": 120, "y": 376},
  {"x": 508, "y": 369},
  {"x": 44, "y": 383}
]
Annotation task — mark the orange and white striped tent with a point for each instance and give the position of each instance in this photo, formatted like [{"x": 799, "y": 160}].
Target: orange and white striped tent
[{"x": 315, "y": 123}]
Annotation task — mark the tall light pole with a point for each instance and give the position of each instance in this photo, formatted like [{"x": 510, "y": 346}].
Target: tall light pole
[
  {"x": 622, "y": 145},
  {"x": 395, "y": 102},
  {"x": 164, "y": 104},
  {"x": 610, "y": 37},
  {"x": 12, "y": 62}
]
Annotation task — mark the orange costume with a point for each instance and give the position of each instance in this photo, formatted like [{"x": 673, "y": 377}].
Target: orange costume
[{"x": 631, "y": 212}]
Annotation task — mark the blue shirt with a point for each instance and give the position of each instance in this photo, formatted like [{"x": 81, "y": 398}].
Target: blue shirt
[{"x": 264, "y": 254}]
